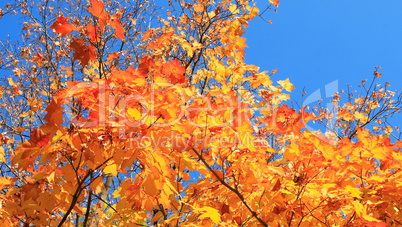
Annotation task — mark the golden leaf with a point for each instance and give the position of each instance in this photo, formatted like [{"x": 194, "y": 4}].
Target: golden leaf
[
  {"x": 286, "y": 84},
  {"x": 112, "y": 169}
]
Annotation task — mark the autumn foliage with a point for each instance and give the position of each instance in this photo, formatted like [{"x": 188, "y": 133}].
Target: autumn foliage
[{"x": 119, "y": 115}]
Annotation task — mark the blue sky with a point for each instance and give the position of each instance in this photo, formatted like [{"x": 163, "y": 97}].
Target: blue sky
[{"x": 316, "y": 42}]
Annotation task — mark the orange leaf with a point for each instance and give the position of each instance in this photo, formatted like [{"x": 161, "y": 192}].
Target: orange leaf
[
  {"x": 376, "y": 224},
  {"x": 54, "y": 113},
  {"x": 175, "y": 71},
  {"x": 116, "y": 24},
  {"x": 97, "y": 10},
  {"x": 91, "y": 32},
  {"x": 4, "y": 182},
  {"x": 150, "y": 186},
  {"x": 274, "y": 2},
  {"x": 62, "y": 26}
]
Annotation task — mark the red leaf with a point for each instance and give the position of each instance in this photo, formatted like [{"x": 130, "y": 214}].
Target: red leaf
[
  {"x": 237, "y": 220},
  {"x": 62, "y": 26},
  {"x": 146, "y": 64},
  {"x": 225, "y": 209},
  {"x": 277, "y": 185},
  {"x": 83, "y": 53},
  {"x": 39, "y": 138}
]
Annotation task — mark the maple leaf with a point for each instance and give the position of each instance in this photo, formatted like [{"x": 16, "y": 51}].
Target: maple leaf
[
  {"x": 286, "y": 84},
  {"x": 274, "y": 2},
  {"x": 82, "y": 52},
  {"x": 130, "y": 74},
  {"x": 237, "y": 220},
  {"x": 175, "y": 71},
  {"x": 209, "y": 212},
  {"x": 224, "y": 209},
  {"x": 273, "y": 173},
  {"x": 116, "y": 24},
  {"x": 5, "y": 182},
  {"x": 62, "y": 26},
  {"x": 2, "y": 159},
  {"x": 91, "y": 32},
  {"x": 97, "y": 10},
  {"x": 39, "y": 138},
  {"x": 111, "y": 169},
  {"x": 145, "y": 65},
  {"x": 150, "y": 186},
  {"x": 54, "y": 112},
  {"x": 134, "y": 113},
  {"x": 355, "y": 192},
  {"x": 277, "y": 185}
]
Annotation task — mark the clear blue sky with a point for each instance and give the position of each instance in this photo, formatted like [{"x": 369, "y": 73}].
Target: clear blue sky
[{"x": 316, "y": 42}]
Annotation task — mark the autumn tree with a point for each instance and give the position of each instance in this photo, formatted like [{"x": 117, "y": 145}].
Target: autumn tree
[{"x": 128, "y": 113}]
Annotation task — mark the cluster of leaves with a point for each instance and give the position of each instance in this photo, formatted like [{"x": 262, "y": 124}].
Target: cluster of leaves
[{"x": 165, "y": 124}]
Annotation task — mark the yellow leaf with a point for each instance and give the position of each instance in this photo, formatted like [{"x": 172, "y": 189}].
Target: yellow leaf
[
  {"x": 10, "y": 81},
  {"x": 2, "y": 159},
  {"x": 355, "y": 192},
  {"x": 211, "y": 213},
  {"x": 189, "y": 49},
  {"x": 4, "y": 182},
  {"x": 277, "y": 170},
  {"x": 278, "y": 98},
  {"x": 233, "y": 9},
  {"x": 329, "y": 185},
  {"x": 116, "y": 192},
  {"x": 253, "y": 11},
  {"x": 361, "y": 117},
  {"x": 135, "y": 113},
  {"x": 359, "y": 208},
  {"x": 291, "y": 152},
  {"x": 370, "y": 219},
  {"x": 111, "y": 169},
  {"x": 362, "y": 212},
  {"x": 286, "y": 84},
  {"x": 287, "y": 192},
  {"x": 221, "y": 72},
  {"x": 225, "y": 88},
  {"x": 380, "y": 153}
]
